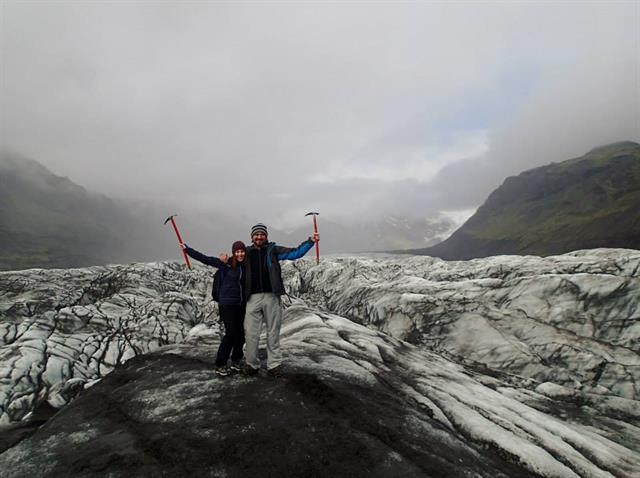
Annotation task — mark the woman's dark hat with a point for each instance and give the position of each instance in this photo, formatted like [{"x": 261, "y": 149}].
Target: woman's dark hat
[{"x": 238, "y": 245}]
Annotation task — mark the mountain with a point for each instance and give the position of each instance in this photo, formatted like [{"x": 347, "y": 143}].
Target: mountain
[
  {"x": 385, "y": 233},
  {"x": 504, "y": 372},
  {"x": 48, "y": 221},
  {"x": 587, "y": 202}
]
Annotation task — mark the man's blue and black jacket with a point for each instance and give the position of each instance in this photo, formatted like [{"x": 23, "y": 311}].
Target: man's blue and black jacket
[{"x": 266, "y": 261}]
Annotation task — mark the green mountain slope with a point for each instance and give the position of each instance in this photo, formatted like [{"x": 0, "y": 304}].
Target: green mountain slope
[
  {"x": 48, "y": 221},
  {"x": 587, "y": 202}
]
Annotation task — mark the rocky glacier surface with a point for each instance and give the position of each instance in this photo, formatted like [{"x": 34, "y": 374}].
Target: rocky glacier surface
[
  {"x": 573, "y": 319},
  {"x": 395, "y": 366},
  {"x": 61, "y": 329}
]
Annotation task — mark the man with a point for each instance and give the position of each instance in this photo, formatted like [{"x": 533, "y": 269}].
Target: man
[{"x": 264, "y": 287}]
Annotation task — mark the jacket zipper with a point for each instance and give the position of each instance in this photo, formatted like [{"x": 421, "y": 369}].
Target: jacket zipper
[{"x": 260, "y": 269}]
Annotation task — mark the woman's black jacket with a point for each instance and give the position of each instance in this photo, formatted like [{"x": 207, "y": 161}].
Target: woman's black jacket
[{"x": 231, "y": 290}]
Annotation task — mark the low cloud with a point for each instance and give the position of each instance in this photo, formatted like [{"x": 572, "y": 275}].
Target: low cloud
[
  {"x": 268, "y": 111},
  {"x": 588, "y": 105}
]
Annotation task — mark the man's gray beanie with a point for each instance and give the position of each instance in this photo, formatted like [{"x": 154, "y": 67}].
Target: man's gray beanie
[{"x": 259, "y": 228}]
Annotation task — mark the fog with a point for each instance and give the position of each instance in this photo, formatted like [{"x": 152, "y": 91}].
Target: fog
[{"x": 265, "y": 111}]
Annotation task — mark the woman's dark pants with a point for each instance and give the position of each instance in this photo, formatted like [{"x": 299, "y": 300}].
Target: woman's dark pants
[{"x": 232, "y": 317}]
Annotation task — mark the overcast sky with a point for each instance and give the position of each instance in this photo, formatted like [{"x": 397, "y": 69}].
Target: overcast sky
[{"x": 269, "y": 110}]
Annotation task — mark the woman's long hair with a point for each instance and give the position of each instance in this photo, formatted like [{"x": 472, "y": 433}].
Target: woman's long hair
[{"x": 234, "y": 262}]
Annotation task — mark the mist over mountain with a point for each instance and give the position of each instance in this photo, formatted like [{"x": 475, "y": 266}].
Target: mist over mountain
[
  {"x": 586, "y": 202},
  {"x": 49, "y": 221},
  {"x": 383, "y": 234}
]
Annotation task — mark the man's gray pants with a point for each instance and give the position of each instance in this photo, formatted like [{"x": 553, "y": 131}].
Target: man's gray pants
[{"x": 265, "y": 308}]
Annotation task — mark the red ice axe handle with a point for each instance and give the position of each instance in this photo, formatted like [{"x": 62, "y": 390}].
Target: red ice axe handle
[
  {"x": 184, "y": 254},
  {"x": 315, "y": 231}
]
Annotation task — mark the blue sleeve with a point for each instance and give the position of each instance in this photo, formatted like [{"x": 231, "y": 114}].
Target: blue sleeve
[
  {"x": 208, "y": 260},
  {"x": 290, "y": 254}
]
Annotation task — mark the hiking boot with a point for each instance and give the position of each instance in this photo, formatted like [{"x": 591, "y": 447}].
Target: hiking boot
[
  {"x": 222, "y": 371},
  {"x": 249, "y": 371},
  {"x": 275, "y": 372},
  {"x": 236, "y": 367}
]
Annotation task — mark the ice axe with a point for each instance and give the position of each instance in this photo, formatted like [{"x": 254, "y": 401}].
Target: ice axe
[
  {"x": 175, "y": 228},
  {"x": 315, "y": 231}
]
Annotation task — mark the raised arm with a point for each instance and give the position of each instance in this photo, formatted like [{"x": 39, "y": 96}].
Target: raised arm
[
  {"x": 208, "y": 260},
  {"x": 291, "y": 254}
]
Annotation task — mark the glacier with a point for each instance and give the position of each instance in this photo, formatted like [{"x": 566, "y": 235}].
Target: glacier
[
  {"x": 505, "y": 366},
  {"x": 573, "y": 319}
]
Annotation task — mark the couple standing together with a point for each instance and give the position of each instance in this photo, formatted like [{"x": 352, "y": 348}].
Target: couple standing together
[{"x": 249, "y": 293}]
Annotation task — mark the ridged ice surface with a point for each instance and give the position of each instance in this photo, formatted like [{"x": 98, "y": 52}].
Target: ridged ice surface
[
  {"x": 507, "y": 366},
  {"x": 351, "y": 398},
  {"x": 573, "y": 319},
  {"x": 63, "y": 328}
]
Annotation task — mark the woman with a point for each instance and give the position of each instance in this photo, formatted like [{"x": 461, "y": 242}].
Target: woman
[{"x": 231, "y": 303}]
